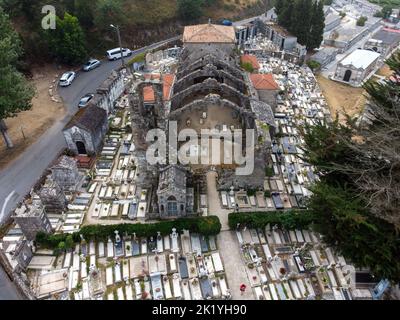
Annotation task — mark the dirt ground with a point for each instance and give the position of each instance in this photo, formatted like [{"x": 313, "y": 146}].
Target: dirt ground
[
  {"x": 385, "y": 71},
  {"x": 341, "y": 98},
  {"x": 32, "y": 123}
]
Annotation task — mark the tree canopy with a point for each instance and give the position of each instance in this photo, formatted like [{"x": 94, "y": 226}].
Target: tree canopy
[
  {"x": 356, "y": 203},
  {"x": 15, "y": 92},
  {"x": 303, "y": 18},
  {"x": 67, "y": 41}
]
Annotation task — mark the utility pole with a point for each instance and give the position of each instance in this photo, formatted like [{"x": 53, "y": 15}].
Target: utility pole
[{"x": 120, "y": 44}]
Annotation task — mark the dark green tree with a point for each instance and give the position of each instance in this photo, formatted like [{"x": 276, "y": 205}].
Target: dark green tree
[
  {"x": 190, "y": 10},
  {"x": 15, "y": 92},
  {"x": 83, "y": 10},
  {"x": 317, "y": 26},
  {"x": 340, "y": 215},
  {"x": 108, "y": 12},
  {"x": 67, "y": 41},
  {"x": 301, "y": 20}
]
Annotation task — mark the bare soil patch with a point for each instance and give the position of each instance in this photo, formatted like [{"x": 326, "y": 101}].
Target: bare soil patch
[
  {"x": 384, "y": 71},
  {"x": 341, "y": 98},
  {"x": 33, "y": 123}
]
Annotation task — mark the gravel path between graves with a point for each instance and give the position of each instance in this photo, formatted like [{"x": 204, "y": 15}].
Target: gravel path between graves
[
  {"x": 214, "y": 203},
  {"x": 228, "y": 245},
  {"x": 234, "y": 268}
]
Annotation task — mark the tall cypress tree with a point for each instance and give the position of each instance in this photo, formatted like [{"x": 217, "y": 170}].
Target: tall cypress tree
[
  {"x": 317, "y": 26},
  {"x": 301, "y": 20},
  {"x": 285, "y": 19}
]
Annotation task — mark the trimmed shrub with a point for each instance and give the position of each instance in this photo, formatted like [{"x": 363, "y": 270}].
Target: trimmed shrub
[
  {"x": 203, "y": 225},
  {"x": 289, "y": 220}
]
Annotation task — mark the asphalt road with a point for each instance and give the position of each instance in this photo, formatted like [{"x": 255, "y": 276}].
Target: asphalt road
[{"x": 8, "y": 291}]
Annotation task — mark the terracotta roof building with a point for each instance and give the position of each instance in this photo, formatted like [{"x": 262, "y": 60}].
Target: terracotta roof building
[
  {"x": 264, "y": 82},
  {"x": 148, "y": 91},
  {"x": 252, "y": 59},
  {"x": 266, "y": 87},
  {"x": 209, "y": 33}
]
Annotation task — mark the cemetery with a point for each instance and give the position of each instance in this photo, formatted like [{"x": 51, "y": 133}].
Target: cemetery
[
  {"x": 107, "y": 225},
  {"x": 129, "y": 267}
]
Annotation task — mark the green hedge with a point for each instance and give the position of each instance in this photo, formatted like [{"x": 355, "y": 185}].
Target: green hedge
[
  {"x": 203, "y": 225},
  {"x": 289, "y": 220}
]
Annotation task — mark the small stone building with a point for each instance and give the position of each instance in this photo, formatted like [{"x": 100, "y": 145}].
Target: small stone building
[
  {"x": 216, "y": 37},
  {"x": 32, "y": 219},
  {"x": 356, "y": 67},
  {"x": 85, "y": 132},
  {"x": 65, "y": 173},
  {"x": 175, "y": 199},
  {"x": 266, "y": 87}
]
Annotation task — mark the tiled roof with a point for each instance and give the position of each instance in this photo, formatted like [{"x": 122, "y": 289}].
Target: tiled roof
[
  {"x": 148, "y": 92},
  {"x": 249, "y": 58},
  {"x": 264, "y": 81},
  {"x": 202, "y": 33},
  {"x": 168, "y": 82},
  {"x": 90, "y": 118}
]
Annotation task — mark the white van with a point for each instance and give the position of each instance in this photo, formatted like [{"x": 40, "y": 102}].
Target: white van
[{"x": 115, "y": 54}]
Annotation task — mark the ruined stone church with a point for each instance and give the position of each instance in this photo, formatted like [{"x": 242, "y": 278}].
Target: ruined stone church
[{"x": 208, "y": 91}]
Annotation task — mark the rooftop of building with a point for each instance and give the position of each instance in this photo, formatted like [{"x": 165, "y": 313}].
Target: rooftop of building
[
  {"x": 148, "y": 91},
  {"x": 264, "y": 81},
  {"x": 89, "y": 118},
  {"x": 209, "y": 33},
  {"x": 252, "y": 59},
  {"x": 360, "y": 59},
  {"x": 387, "y": 36},
  {"x": 281, "y": 30}
]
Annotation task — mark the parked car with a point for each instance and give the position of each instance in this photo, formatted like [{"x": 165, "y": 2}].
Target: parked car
[
  {"x": 91, "y": 64},
  {"x": 85, "y": 100},
  {"x": 67, "y": 78},
  {"x": 115, "y": 53}
]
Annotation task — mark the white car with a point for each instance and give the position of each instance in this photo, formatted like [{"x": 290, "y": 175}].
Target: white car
[
  {"x": 67, "y": 78},
  {"x": 91, "y": 64},
  {"x": 115, "y": 53}
]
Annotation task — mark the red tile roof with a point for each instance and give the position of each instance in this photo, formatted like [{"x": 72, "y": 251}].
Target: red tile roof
[
  {"x": 264, "y": 81},
  {"x": 168, "y": 82},
  {"x": 148, "y": 92},
  {"x": 249, "y": 58}
]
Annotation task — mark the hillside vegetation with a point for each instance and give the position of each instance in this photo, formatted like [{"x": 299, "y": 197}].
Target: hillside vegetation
[{"x": 141, "y": 22}]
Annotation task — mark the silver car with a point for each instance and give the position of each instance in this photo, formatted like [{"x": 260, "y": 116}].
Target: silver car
[
  {"x": 85, "y": 100},
  {"x": 91, "y": 64},
  {"x": 67, "y": 78}
]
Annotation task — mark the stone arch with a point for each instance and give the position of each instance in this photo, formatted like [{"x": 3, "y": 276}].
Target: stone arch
[
  {"x": 248, "y": 119},
  {"x": 209, "y": 60},
  {"x": 209, "y": 71},
  {"x": 209, "y": 86}
]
